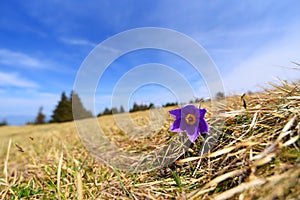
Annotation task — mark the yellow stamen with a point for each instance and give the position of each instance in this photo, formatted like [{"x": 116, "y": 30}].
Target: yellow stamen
[{"x": 190, "y": 119}]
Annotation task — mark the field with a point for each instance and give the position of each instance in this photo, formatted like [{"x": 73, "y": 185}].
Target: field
[{"x": 257, "y": 156}]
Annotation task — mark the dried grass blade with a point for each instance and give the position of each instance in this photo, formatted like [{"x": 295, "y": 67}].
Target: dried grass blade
[
  {"x": 238, "y": 189},
  {"x": 210, "y": 186},
  {"x": 268, "y": 158},
  {"x": 189, "y": 159},
  {"x": 296, "y": 63},
  {"x": 221, "y": 152},
  {"x": 291, "y": 141},
  {"x": 267, "y": 151},
  {"x": 79, "y": 185},
  {"x": 196, "y": 194},
  {"x": 289, "y": 124},
  {"x": 5, "y": 170},
  {"x": 19, "y": 148},
  {"x": 59, "y": 174},
  {"x": 294, "y": 97},
  {"x": 223, "y": 177},
  {"x": 253, "y": 122}
]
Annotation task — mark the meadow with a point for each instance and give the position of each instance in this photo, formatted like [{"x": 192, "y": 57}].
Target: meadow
[{"x": 257, "y": 156}]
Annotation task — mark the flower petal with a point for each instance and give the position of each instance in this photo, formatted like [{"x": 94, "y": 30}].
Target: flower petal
[
  {"x": 193, "y": 137},
  {"x": 202, "y": 112},
  {"x": 191, "y": 130},
  {"x": 176, "y": 126},
  {"x": 189, "y": 109},
  {"x": 183, "y": 124},
  {"x": 203, "y": 126},
  {"x": 176, "y": 113}
]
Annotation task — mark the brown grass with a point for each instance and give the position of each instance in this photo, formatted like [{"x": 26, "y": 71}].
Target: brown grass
[{"x": 257, "y": 156}]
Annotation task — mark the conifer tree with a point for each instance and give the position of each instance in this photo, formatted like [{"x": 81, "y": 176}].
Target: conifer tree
[
  {"x": 107, "y": 111},
  {"x": 63, "y": 110},
  {"x": 122, "y": 109},
  {"x": 114, "y": 110},
  {"x": 40, "y": 118},
  {"x": 3, "y": 122},
  {"x": 135, "y": 107},
  {"x": 220, "y": 96},
  {"x": 79, "y": 110}
]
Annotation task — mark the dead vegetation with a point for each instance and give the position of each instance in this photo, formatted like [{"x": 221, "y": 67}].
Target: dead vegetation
[{"x": 257, "y": 156}]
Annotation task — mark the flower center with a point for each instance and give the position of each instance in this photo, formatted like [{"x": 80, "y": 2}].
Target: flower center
[{"x": 190, "y": 119}]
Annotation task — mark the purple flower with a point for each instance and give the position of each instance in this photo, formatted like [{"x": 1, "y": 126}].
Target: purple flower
[{"x": 189, "y": 119}]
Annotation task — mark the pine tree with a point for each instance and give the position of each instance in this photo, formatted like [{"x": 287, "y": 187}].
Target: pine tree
[
  {"x": 122, "y": 109},
  {"x": 3, "y": 122},
  {"x": 135, "y": 107},
  {"x": 114, "y": 110},
  {"x": 151, "y": 106},
  {"x": 79, "y": 110},
  {"x": 40, "y": 118},
  {"x": 63, "y": 111},
  {"x": 107, "y": 111},
  {"x": 220, "y": 96}
]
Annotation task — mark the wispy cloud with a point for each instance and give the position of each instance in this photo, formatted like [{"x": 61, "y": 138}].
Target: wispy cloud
[
  {"x": 31, "y": 98},
  {"x": 13, "y": 58},
  {"x": 79, "y": 42},
  {"x": 14, "y": 79},
  {"x": 23, "y": 61},
  {"x": 263, "y": 65}
]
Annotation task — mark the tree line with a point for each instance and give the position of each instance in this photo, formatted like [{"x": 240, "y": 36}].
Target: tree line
[
  {"x": 63, "y": 110},
  {"x": 113, "y": 110},
  {"x": 136, "y": 107}
]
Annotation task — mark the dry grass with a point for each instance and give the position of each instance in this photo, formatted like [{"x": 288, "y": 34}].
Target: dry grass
[{"x": 257, "y": 156}]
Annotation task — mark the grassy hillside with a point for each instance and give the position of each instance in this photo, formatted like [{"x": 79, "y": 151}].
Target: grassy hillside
[{"x": 257, "y": 156}]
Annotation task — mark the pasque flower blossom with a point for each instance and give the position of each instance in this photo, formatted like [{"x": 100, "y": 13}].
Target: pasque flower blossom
[{"x": 191, "y": 120}]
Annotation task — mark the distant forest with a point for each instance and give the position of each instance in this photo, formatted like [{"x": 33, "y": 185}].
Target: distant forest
[{"x": 63, "y": 111}]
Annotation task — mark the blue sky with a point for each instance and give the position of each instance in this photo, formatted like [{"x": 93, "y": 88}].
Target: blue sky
[{"x": 43, "y": 43}]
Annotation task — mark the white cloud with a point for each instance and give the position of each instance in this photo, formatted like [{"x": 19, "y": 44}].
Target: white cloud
[
  {"x": 21, "y": 60},
  {"x": 264, "y": 65},
  {"x": 13, "y": 58},
  {"x": 79, "y": 42},
  {"x": 14, "y": 79},
  {"x": 12, "y": 102}
]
